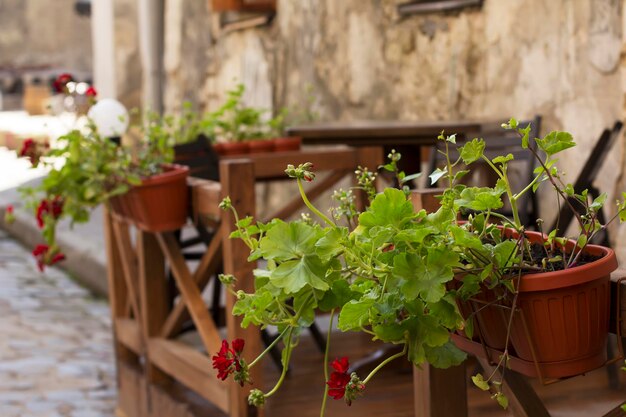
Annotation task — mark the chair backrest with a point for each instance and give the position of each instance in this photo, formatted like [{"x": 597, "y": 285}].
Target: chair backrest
[
  {"x": 502, "y": 142},
  {"x": 200, "y": 157},
  {"x": 588, "y": 175}
]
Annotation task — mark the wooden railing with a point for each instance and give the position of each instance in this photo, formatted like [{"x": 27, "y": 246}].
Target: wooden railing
[{"x": 152, "y": 363}]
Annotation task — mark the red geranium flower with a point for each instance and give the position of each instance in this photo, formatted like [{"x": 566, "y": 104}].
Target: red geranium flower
[
  {"x": 59, "y": 84},
  {"x": 339, "y": 378},
  {"x": 28, "y": 147},
  {"x": 229, "y": 361},
  {"x": 32, "y": 150},
  {"x": 9, "y": 216},
  {"x": 52, "y": 207},
  {"x": 45, "y": 256},
  {"x": 91, "y": 92}
]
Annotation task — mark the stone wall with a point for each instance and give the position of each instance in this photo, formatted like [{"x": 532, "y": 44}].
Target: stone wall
[
  {"x": 560, "y": 58},
  {"x": 44, "y": 33}
]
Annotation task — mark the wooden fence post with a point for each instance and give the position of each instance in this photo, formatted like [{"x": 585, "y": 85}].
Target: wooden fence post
[{"x": 238, "y": 183}]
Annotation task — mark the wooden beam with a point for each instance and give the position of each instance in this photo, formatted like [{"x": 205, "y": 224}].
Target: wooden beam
[
  {"x": 191, "y": 368},
  {"x": 190, "y": 293},
  {"x": 129, "y": 264},
  {"x": 129, "y": 334},
  {"x": 153, "y": 296},
  {"x": 205, "y": 198},
  {"x": 238, "y": 179},
  {"x": 209, "y": 264},
  {"x": 440, "y": 392},
  {"x": 118, "y": 293}
]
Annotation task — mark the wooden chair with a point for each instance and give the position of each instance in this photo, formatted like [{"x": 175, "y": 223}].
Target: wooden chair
[
  {"x": 502, "y": 142},
  {"x": 586, "y": 178}
]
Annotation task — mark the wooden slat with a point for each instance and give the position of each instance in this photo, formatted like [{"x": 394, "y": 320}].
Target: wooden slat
[
  {"x": 205, "y": 198},
  {"x": 129, "y": 264},
  {"x": 153, "y": 293},
  {"x": 272, "y": 165},
  {"x": 210, "y": 262},
  {"x": 440, "y": 392},
  {"x": 190, "y": 292},
  {"x": 129, "y": 334},
  {"x": 191, "y": 368},
  {"x": 618, "y": 304},
  {"x": 238, "y": 179},
  {"x": 118, "y": 294},
  {"x": 617, "y": 411},
  {"x": 292, "y": 206}
]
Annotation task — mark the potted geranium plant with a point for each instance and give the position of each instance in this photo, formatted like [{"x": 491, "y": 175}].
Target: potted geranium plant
[
  {"x": 406, "y": 277},
  {"x": 239, "y": 128},
  {"x": 86, "y": 170}
]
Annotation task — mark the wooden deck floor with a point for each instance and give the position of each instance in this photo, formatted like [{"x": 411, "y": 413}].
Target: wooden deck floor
[{"x": 390, "y": 393}]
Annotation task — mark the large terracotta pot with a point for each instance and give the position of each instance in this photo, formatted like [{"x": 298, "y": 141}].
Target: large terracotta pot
[
  {"x": 563, "y": 318},
  {"x": 159, "y": 203},
  {"x": 288, "y": 143}
]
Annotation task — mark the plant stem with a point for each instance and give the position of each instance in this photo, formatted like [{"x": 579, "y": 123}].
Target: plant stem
[
  {"x": 330, "y": 328},
  {"x": 285, "y": 365},
  {"x": 311, "y": 206},
  {"x": 267, "y": 349},
  {"x": 383, "y": 363}
]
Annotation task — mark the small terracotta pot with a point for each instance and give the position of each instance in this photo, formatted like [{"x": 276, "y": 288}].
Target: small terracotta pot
[
  {"x": 261, "y": 146},
  {"x": 289, "y": 143},
  {"x": 160, "y": 202},
  {"x": 234, "y": 148}
]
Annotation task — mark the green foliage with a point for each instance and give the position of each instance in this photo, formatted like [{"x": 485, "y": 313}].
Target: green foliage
[
  {"x": 235, "y": 122},
  {"x": 397, "y": 274}
]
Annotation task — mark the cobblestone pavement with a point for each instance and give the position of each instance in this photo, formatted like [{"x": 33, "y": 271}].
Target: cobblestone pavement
[{"x": 56, "y": 354}]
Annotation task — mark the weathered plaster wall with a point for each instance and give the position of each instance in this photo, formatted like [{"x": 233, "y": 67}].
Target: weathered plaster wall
[
  {"x": 44, "y": 33},
  {"x": 560, "y": 58}
]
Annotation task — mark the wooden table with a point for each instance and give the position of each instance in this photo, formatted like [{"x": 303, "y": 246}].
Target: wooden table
[
  {"x": 382, "y": 133},
  {"x": 407, "y": 137}
]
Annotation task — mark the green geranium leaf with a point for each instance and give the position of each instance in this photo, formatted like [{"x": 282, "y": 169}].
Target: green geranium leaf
[
  {"x": 390, "y": 208},
  {"x": 293, "y": 275},
  {"x": 411, "y": 177},
  {"x": 525, "y": 132},
  {"x": 504, "y": 253},
  {"x": 339, "y": 294},
  {"x": 502, "y": 159},
  {"x": 355, "y": 314},
  {"x": 426, "y": 280},
  {"x": 598, "y": 202},
  {"x": 472, "y": 151},
  {"x": 480, "y": 198},
  {"x": 444, "y": 356},
  {"x": 437, "y": 174},
  {"x": 390, "y": 333},
  {"x": 555, "y": 142},
  {"x": 480, "y": 382},
  {"x": 446, "y": 311},
  {"x": 284, "y": 241},
  {"x": 330, "y": 246},
  {"x": 470, "y": 286}
]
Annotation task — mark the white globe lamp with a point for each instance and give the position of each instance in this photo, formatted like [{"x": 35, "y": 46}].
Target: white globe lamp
[{"x": 110, "y": 117}]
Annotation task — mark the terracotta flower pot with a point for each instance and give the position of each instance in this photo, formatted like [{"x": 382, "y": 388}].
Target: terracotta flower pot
[
  {"x": 563, "y": 318},
  {"x": 234, "y": 148},
  {"x": 159, "y": 203},
  {"x": 260, "y": 146},
  {"x": 289, "y": 143}
]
